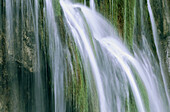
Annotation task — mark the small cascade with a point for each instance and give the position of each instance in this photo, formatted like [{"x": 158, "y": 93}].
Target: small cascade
[
  {"x": 56, "y": 59},
  {"x": 39, "y": 100},
  {"x": 156, "y": 41}
]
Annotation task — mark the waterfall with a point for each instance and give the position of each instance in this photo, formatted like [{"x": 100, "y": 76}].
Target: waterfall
[
  {"x": 103, "y": 37},
  {"x": 156, "y": 41},
  {"x": 39, "y": 100},
  {"x": 56, "y": 58},
  {"x": 80, "y": 35},
  {"x": 92, "y": 4},
  {"x": 62, "y": 56},
  {"x": 83, "y": 44}
]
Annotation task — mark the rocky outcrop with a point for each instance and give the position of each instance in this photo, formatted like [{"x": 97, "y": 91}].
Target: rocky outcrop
[
  {"x": 167, "y": 46},
  {"x": 16, "y": 60},
  {"x": 166, "y": 32}
]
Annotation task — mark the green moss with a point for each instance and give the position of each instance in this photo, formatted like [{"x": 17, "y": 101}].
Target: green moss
[
  {"x": 130, "y": 102},
  {"x": 57, "y": 7},
  {"x": 129, "y": 22},
  {"x": 76, "y": 86},
  {"x": 121, "y": 14},
  {"x": 89, "y": 33},
  {"x": 143, "y": 91}
]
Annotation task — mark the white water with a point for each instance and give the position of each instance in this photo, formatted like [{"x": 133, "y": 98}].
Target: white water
[
  {"x": 112, "y": 62},
  {"x": 115, "y": 69},
  {"x": 92, "y": 4},
  {"x": 9, "y": 22},
  {"x": 156, "y": 41},
  {"x": 56, "y": 58},
  {"x": 69, "y": 11},
  {"x": 83, "y": 42}
]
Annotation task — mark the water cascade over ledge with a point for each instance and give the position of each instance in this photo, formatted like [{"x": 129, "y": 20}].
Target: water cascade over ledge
[{"x": 65, "y": 56}]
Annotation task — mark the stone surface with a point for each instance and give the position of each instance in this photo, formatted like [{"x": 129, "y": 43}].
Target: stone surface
[{"x": 168, "y": 53}]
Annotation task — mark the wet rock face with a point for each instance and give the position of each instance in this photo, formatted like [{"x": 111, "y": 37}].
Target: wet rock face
[
  {"x": 166, "y": 31},
  {"x": 168, "y": 53},
  {"x": 162, "y": 18},
  {"x": 28, "y": 51},
  {"x": 18, "y": 46},
  {"x": 12, "y": 69},
  {"x": 0, "y": 51},
  {"x": 16, "y": 61}
]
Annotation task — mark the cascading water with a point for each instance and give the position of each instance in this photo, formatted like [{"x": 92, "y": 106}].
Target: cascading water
[
  {"x": 156, "y": 41},
  {"x": 83, "y": 43},
  {"x": 56, "y": 59},
  {"x": 103, "y": 36},
  {"x": 22, "y": 24},
  {"x": 39, "y": 100},
  {"x": 40, "y": 66}
]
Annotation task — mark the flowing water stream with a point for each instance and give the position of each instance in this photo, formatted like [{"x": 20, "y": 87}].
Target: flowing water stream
[
  {"x": 56, "y": 59},
  {"x": 120, "y": 76},
  {"x": 79, "y": 18},
  {"x": 156, "y": 41}
]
